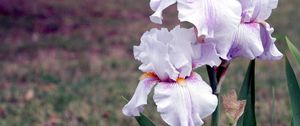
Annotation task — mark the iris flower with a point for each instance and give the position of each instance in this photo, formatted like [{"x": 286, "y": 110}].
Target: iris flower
[
  {"x": 168, "y": 59},
  {"x": 253, "y": 38},
  {"x": 215, "y": 20}
]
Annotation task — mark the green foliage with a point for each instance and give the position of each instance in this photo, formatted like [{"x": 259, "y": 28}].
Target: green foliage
[
  {"x": 144, "y": 121},
  {"x": 247, "y": 92},
  {"x": 63, "y": 99},
  {"x": 48, "y": 78},
  {"x": 213, "y": 83},
  {"x": 294, "y": 51},
  {"x": 294, "y": 93}
]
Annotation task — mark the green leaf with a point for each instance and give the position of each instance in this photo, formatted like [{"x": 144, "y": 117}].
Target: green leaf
[
  {"x": 213, "y": 83},
  {"x": 247, "y": 92},
  {"x": 294, "y": 92},
  {"x": 212, "y": 78},
  {"x": 294, "y": 51},
  {"x": 142, "y": 119}
]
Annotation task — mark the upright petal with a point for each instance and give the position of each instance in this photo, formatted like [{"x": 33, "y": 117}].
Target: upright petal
[
  {"x": 181, "y": 50},
  {"x": 247, "y": 42},
  {"x": 257, "y": 9},
  {"x": 247, "y": 10},
  {"x": 154, "y": 4},
  {"x": 139, "y": 99},
  {"x": 205, "y": 53},
  {"x": 184, "y": 104},
  {"x": 153, "y": 52},
  {"x": 158, "y": 6},
  {"x": 270, "y": 50}
]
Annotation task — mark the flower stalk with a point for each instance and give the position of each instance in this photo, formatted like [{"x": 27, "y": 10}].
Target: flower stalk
[{"x": 213, "y": 83}]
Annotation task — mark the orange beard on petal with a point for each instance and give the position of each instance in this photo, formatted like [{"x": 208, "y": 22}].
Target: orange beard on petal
[
  {"x": 180, "y": 80},
  {"x": 148, "y": 75}
]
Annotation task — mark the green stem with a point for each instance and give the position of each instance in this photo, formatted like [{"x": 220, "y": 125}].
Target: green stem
[
  {"x": 212, "y": 78},
  {"x": 216, "y": 114},
  {"x": 213, "y": 83}
]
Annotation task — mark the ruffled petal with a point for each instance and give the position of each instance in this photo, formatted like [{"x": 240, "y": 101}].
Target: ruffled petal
[
  {"x": 270, "y": 50},
  {"x": 228, "y": 20},
  {"x": 181, "y": 50},
  {"x": 203, "y": 101},
  {"x": 200, "y": 13},
  {"x": 215, "y": 19},
  {"x": 254, "y": 10},
  {"x": 154, "y": 4},
  {"x": 184, "y": 104},
  {"x": 168, "y": 54},
  {"x": 158, "y": 6},
  {"x": 205, "y": 53},
  {"x": 247, "y": 42},
  {"x": 174, "y": 54},
  {"x": 139, "y": 99},
  {"x": 153, "y": 52}
]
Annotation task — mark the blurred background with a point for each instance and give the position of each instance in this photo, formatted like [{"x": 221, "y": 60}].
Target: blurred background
[{"x": 69, "y": 62}]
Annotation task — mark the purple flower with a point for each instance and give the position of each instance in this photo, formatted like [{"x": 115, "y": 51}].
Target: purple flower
[
  {"x": 253, "y": 37},
  {"x": 168, "y": 58},
  {"x": 173, "y": 54},
  {"x": 184, "y": 102},
  {"x": 215, "y": 20}
]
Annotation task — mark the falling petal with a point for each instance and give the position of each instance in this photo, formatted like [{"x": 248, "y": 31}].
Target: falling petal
[
  {"x": 247, "y": 42},
  {"x": 194, "y": 101},
  {"x": 158, "y": 6},
  {"x": 139, "y": 99},
  {"x": 270, "y": 50}
]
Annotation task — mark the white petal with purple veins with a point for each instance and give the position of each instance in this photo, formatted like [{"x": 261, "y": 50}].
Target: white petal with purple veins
[
  {"x": 184, "y": 104},
  {"x": 257, "y": 10},
  {"x": 205, "y": 53},
  {"x": 153, "y": 52},
  {"x": 215, "y": 19},
  {"x": 139, "y": 99},
  {"x": 247, "y": 42},
  {"x": 204, "y": 102},
  {"x": 222, "y": 19},
  {"x": 207, "y": 14},
  {"x": 171, "y": 54},
  {"x": 270, "y": 50},
  {"x": 181, "y": 50},
  {"x": 158, "y": 6}
]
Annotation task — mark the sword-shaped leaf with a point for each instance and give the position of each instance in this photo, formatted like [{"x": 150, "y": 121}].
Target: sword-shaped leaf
[
  {"x": 294, "y": 93},
  {"x": 247, "y": 92}
]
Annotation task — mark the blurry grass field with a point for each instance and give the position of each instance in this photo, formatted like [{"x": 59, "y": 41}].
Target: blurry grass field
[{"x": 72, "y": 67}]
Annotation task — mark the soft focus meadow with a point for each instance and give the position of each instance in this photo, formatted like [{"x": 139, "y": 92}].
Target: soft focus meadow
[{"x": 69, "y": 62}]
